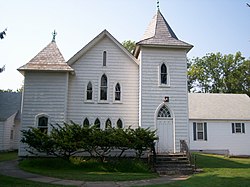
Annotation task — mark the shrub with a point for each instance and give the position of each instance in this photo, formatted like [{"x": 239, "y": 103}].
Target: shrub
[{"x": 69, "y": 139}]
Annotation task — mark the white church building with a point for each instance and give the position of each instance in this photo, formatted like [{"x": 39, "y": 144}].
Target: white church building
[{"x": 104, "y": 84}]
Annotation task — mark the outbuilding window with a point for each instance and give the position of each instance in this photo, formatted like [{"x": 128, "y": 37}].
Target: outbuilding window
[
  {"x": 200, "y": 131},
  {"x": 238, "y": 128}
]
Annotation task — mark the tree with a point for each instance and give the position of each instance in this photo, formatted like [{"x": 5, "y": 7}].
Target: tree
[
  {"x": 217, "y": 73},
  {"x": 129, "y": 45}
]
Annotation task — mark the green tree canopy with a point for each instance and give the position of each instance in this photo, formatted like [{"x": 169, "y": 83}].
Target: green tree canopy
[
  {"x": 129, "y": 45},
  {"x": 217, "y": 73}
]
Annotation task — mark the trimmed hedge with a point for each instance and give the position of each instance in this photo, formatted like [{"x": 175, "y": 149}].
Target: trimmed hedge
[{"x": 71, "y": 138}]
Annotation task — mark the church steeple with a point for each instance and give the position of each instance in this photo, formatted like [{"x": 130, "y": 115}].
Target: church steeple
[{"x": 160, "y": 33}]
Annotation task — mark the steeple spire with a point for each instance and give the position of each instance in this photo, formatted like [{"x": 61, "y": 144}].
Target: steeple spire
[{"x": 54, "y": 36}]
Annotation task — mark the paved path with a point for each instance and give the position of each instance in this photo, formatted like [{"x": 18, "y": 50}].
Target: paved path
[{"x": 9, "y": 168}]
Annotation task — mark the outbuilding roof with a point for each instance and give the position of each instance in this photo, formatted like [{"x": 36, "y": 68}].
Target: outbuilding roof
[
  {"x": 211, "y": 106},
  {"x": 10, "y": 103},
  {"x": 48, "y": 59}
]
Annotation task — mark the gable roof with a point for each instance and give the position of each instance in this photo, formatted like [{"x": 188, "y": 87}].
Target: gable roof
[
  {"x": 48, "y": 59},
  {"x": 10, "y": 103},
  {"x": 219, "y": 106},
  {"x": 93, "y": 42},
  {"x": 159, "y": 32}
]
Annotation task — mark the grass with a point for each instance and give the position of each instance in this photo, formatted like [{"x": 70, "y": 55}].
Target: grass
[
  {"x": 91, "y": 170},
  {"x": 218, "y": 171},
  {"x": 6, "y": 181},
  {"x": 4, "y": 156}
]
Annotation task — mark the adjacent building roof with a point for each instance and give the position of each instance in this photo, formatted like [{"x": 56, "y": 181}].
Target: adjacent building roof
[
  {"x": 160, "y": 33},
  {"x": 49, "y": 59},
  {"x": 10, "y": 103},
  {"x": 219, "y": 106}
]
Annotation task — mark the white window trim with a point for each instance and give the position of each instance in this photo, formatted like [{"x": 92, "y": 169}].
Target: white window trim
[
  {"x": 119, "y": 101},
  {"x": 203, "y": 131},
  {"x": 42, "y": 115},
  {"x": 159, "y": 76},
  {"x": 99, "y": 90},
  {"x": 241, "y": 128},
  {"x": 86, "y": 88},
  {"x": 123, "y": 124}
]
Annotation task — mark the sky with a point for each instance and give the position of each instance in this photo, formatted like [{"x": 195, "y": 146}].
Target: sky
[{"x": 210, "y": 25}]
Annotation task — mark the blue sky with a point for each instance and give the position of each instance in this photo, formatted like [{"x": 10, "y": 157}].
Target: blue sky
[{"x": 210, "y": 25}]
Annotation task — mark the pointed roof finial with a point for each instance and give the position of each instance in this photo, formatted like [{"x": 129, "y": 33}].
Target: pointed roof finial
[
  {"x": 54, "y": 36},
  {"x": 158, "y": 4}
]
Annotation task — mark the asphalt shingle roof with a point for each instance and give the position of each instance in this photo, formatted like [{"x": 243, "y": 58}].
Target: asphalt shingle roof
[
  {"x": 160, "y": 33},
  {"x": 219, "y": 106},
  {"x": 10, "y": 103},
  {"x": 49, "y": 59}
]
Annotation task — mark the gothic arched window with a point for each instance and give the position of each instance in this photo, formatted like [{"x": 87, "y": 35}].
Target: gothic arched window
[
  {"x": 108, "y": 124},
  {"x": 97, "y": 123},
  {"x": 86, "y": 122},
  {"x": 117, "y": 92},
  {"x": 119, "y": 124},
  {"x": 89, "y": 91},
  {"x": 164, "y": 112},
  {"x": 164, "y": 74},
  {"x": 104, "y": 87}
]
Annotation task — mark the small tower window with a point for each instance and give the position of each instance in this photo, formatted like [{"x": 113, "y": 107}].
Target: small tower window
[
  {"x": 117, "y": 92},
  {"x": 119, "y": 124},
  {"x": 86, "y": 122},
  {"x": 43, "y": 124},
  {"x": 97, "y": 123},
  {"x": 163, "y": 74},
  {"x": 89, "y": 91},
  {"x": 104, "y": 88},
  {"x": 108, "y": 124},
  {"x": 104, "y": 58}
]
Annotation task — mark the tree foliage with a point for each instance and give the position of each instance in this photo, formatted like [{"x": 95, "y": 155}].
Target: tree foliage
[
  {"x": 129, "y": 45},
  {"x": 70, "y": 139},
  {"x": 217, "y": 73}
]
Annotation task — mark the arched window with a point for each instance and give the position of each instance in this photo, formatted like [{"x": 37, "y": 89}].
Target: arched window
[
  {"x": 108, "y": 124},
  {"x": 163, "y": 74},
  {"x": 97, "y": 123},
  {"x": 89, "y": 91},
  {"x": 164, "y": 112},
  {"x": 86, "y": 122},
  {"x": 104, "y": 58},
  {"x": 43, "y": 123},
  {"x": 117, "y": 92},
  {"x": 119, "y": 124},
  {"x": 104, "y": 87}
]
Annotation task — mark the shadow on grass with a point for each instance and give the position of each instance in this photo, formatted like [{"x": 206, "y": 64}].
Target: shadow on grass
[{"x": 215, "y": 161}]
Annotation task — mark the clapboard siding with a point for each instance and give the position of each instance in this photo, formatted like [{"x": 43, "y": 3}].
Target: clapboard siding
[
  {"x": 220, "y": 137},
  {"x": 43, "y": 93},
  {"x": 120, "y": 68},
  {"x": 1, "y": 133},
  {"x": 152, "y": 95}
]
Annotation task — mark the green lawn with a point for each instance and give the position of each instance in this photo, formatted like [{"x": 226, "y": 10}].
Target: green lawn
[
  {"x": 4, "y": 156},
  {"x": 91, "y": 170},
  {"x": 218, "y": 171},
  {"x": 6, "y": 181}
]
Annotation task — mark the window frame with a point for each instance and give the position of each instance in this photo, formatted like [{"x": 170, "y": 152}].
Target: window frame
[
  {"x": 196, "y": 131},
  {"x": 86, "y": 93},
  {"x": 241, "y": 128},
  {"x": 100, "y": 89},
  {"x": 121, "y": 124},
  {"x": 37, "y": 118},
  {"x": 104, "y": 58},
  {"x": 160, "y": 75},
  {"x": 114, "y": 91}
]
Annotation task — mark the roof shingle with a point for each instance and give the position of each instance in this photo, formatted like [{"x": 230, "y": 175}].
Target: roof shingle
[
  {"x": 219, "y": 106},
  {"x": 49, "y": 59},
  {"x": 160, "y": 33}
]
